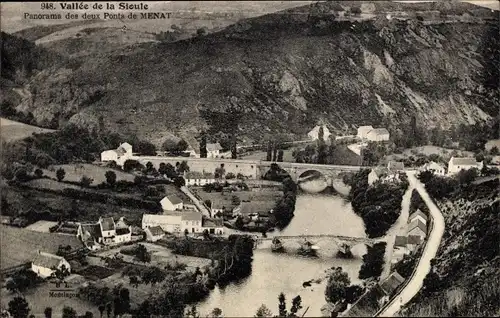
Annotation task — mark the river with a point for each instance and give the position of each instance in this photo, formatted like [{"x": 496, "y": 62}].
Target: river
[{"x": 273, "y": 273}]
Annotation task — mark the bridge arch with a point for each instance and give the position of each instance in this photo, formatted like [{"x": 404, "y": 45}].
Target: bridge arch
[{"x": 304, "y": 178}]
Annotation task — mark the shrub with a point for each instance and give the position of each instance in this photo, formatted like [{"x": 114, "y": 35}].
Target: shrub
[{"x": 60, "y": 174}]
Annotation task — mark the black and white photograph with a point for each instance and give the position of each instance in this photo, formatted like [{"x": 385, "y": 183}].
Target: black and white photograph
[{"x": 220, "y": 159}]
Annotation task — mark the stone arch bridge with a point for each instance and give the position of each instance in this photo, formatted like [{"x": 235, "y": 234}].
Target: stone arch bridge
[
  {"x": 344, "y": 243},
  {"x": 256, "y": 169}
]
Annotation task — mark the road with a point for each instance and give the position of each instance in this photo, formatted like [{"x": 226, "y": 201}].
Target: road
[
  {"x": 431, "y": 248},
  {"x": 399, "y": 228},
  {"x": 200, "y": 205}
]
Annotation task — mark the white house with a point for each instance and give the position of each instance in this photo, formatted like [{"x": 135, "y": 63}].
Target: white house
[
  {"x": 378, "y": 134},
  {"x": 254, "y": 208},
  {"x": 457, "y": 164},
  {"x": 171, "y": 203},
  {"x": 123, "y": 234},
  {"x": 118, "y": 155},
  {"x": 363, "y": 131},
  {"x": 213, "y": 150},
  {"x": 198, "y": 178},
  {"x": 108, "y": 230},
  {"x": 168, "y": 222},
  {"x": 385, "y": 174},
  {"x": 192, "y": 222},
  {"x": 214, "y": 226},
  {"x": 217, "y": 207},
  {"x": 436, "y": 168},
  {"x": 418, "y": 215},
  {"x": 193, "y": 153},
  {"x": 154, "y": 233},
  {"x": 417, "y": 228},
  {"x": 44, "y": 264},
  {"x": 314, "y": 133}
]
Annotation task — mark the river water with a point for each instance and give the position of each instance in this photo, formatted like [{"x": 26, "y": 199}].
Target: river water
[{"x": 273, "y": 273}]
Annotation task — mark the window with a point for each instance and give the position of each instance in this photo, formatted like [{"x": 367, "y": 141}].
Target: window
[
  {"x": 251, "y": 167},
  {"x": 236, "y": 166}
]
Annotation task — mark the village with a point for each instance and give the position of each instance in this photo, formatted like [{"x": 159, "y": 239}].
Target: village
[{"x": 196, "y": 202}]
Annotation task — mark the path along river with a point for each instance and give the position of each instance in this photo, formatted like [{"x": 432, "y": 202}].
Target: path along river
[{"x": 273, "y": 273}]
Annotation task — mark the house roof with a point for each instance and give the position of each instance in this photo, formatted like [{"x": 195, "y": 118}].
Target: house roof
[
  {"x": 94, "y": 230},
  {"x": 392, "y": 282},
  {"x": 379, "y": 131},
  {"x": 160, "y": 218},
  {"x": 395, "y": 165},
  {"x": 380, "y": 171},
  {"x": 213, "y": 223},
  {"x": 400, "y": 241},
  {"x": 417, "y": 213},
  {"x": 366, "y": 127},
  {"x": 47, "y": 260},
  {"x": 120, "y": 151},
  {"x": 107, "y": 224},
  {"x": 126, "y": 145},
  {"x": 414, "y": 239},
  {"x": 155, "y": 230},
  {"x": 214, "y": 147},
  {"x": 463, "y": 161},
  {"x": 218, "y": 205},
  {"x": 260, "y": 207},
  {"x": 191, "y": 216},
  {"x": 122, "y": 231},
  {"x": 417, "y": 223},
  {"x": 433, "y": 165},
  {"x": 173, "y": 199}
]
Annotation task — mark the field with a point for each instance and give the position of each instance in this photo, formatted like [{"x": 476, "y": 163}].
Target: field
[
  {"x": 13, "y": 130},
  {"x": 74, "y": 172},
  {"x": 41, "y": 226},
  {"x": 39, "y": 298},
  {"x": 21, "y": 245}
]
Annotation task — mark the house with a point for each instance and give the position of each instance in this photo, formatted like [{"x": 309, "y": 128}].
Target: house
[
  {"x": 104, "y": 232},
  {"x": 253, "y": 208},
  {"x": 314, "y": 133},
  {"x": 457, "y": 164},
  {"x": 213, "y": 226},
  {"x": 170, "y": 223},
  {"x": 118, "y": 155},
  {"x": 154, "y": 233},
  {"x": 436, "y": 168},
  {"x": 213, "y": 150},
  {"x": 44, "y": 264},
  {"x": 377, "y": 174},
  {"x": 363, "y": 131},
  {"x": 108, "y": 230},
  {"x": 378, "y": 134},
  {"x": 193, "y": 153},
  {"x": 391, "y": 283},
  {"x": 5, "y": 219},
  {"x": 418, "y": 215},
  {"x": 198, "y": 178},
  {"x": 417, "y": 228},
  {"x": 395, "y": 166},
  {"x": 413, "y": 242},
  {"x": 90, "y": 235},
  {"x": 191, "y": 222},
  {"x": 217, "y": 207},
  {"x": 171, "y": 203}
]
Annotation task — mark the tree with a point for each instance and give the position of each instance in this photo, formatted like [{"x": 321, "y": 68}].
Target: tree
[
  {"x": 145, "y": 148},
  {"x": 169, "y": 145},
  {"x": 337, "y": 285},
  {"x": 263, "y": 311},
  {"x": 101, "y": 309},
  {"x": 203, "y": 145},
  {"x": 269, "y": 152},
  {"x": 182, "y": 145},
  {"x": 19, "y": 307},
  {"x": 353, "y": 293},
  {"x": 296, "y": 306},
  {"x": 280, "y": 155},
  {"x": 201, "y": 31},
  {"x": 134, "y": 281},
  {"x": 282, "y": 305},
  {"x": 183, "y": 167},
  {"x": 142, "y": 254},
  {"x": 356, "y": 10},
  {"x": 60, "y": 273},
  {"x": 48, "y": 312},
  {"x": 216, "y": 313},
  {"x": 38, "y": 173},
  {"x": 494, "y": 151},
  {"x": 22, "y": 280},
  {"x": 68, "y": 312},
  {"x": 230, "y": 175},
  {"x": 109, "y": 309},
  {"x": 88, "y": 314},
  {"x": 179, "y": 182},
  {"x": 110, "y": 177},
  {"x": 121, "y": 300},
  {"x": 86, "y": 181},
  {"x": 466, "y": 177}
]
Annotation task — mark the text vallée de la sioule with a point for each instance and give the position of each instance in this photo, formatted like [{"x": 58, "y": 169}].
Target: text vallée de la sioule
[{"x": 107, "y": 6}]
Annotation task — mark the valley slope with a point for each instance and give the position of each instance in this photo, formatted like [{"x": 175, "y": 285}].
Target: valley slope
[{"x": 284, "y": 72}]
